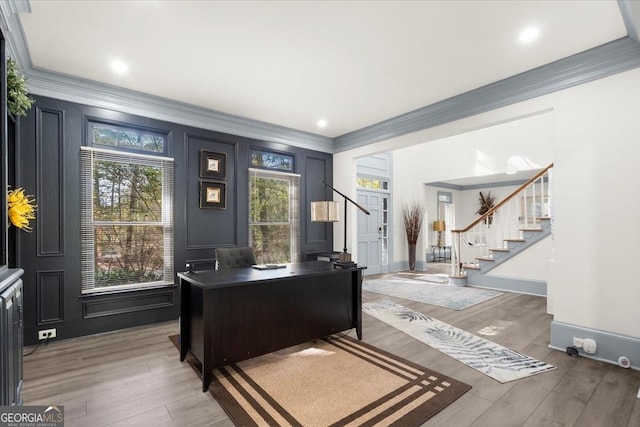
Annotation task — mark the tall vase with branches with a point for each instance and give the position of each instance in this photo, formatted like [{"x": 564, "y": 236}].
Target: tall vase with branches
[{"x": 412, "y": 215}]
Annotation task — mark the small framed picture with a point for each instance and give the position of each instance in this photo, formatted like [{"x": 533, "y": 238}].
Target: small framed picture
[
  {"x": 212, "y": 165},
  {"x": 213, "y": 195}
]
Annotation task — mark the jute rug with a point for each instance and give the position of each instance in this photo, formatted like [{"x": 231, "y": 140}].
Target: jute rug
[
  {"x": 488, "y": 357},
  {"x": 337, "y": 381},
  {"x": 443, "y": 295}
]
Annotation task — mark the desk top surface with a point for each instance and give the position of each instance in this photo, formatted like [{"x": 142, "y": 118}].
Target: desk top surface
[{"x": 243, "y": 276}]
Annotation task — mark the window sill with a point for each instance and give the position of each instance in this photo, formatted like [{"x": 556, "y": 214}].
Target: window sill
[{"x": 127, "y": 290}]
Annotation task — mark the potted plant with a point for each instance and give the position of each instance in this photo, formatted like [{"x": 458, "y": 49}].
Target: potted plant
[
  {"x": 412, "y": 215},
  {"x": 486, "y": 203},
  {"x": 18, "y": 99}
]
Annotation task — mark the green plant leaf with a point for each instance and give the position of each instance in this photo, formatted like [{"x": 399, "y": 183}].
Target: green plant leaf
[{"x": 18, "y": 100}]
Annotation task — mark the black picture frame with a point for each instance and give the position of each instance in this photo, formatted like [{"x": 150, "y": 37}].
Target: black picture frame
[
  {"x": 213, "y": 195},
  {"x": 212, "y": 165}
]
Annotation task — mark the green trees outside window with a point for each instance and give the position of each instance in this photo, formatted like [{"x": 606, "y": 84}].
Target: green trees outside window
[
  {"x": 126, "y": 212},
  {"x": 273, "y": 216}
]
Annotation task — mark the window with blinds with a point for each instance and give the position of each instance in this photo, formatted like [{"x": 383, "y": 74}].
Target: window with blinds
[
  {"x": 274, "y": 218},
  {"x": 126, "y": 220}
]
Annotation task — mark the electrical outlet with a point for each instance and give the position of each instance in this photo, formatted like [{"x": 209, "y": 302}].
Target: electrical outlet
[
  {"x": 46, "y": 334},
  {"x": 578, "y": 342}
]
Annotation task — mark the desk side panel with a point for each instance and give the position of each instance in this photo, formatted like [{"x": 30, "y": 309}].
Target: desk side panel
[{"x": 196, "y": 329}]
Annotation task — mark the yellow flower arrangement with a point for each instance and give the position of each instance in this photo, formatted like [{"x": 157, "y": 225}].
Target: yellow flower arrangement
[{"x": 21, "y": 208}]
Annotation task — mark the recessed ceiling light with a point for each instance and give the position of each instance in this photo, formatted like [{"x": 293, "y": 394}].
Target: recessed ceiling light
[
  {"x": 529, "y": 35},
  {"x": 322, "y": 123},
  {"x": 119, "y": 67}
]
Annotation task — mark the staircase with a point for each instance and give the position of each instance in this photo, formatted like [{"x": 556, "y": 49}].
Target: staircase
[{"x": 519, "y": 221}]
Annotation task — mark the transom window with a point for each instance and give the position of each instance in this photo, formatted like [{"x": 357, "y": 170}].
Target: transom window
[
  {"x": 372, "y": 183},
  {"x": 272, "y": 160},
  {"x": 116, "y": 136}
]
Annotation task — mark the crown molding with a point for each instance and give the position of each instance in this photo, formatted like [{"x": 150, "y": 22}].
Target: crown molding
[
  {"x": 88, "y": 92},
  {"x": 59, "y": 86},
  {"x": 496, "y": 184},
  {"x": 599, "y": 62},
  {"x": 12, "y": 29},
  {"x": 630, "y": 11},
  {"x": 602, "y": 61}
]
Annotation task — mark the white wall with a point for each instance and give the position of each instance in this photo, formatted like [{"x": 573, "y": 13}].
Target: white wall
[
  {"x": 531, "y": 264},
  {"x": 595, "y": 134},
  {"x": 483, "y": 152},
  {"x": 596, "y": 178},
  {"x": 468, "y": 202},
  {"x": 504, "y": 145}
]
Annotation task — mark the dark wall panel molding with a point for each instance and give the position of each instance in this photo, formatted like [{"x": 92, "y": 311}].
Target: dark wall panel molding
[
  {"x": 50, "y": 182},
  {"x": 51, "y": 137},
  {"x": 316, "y": 232},
  {"x": 50, "y": 292},
  {"x": 207, "y": 228},
  {"x": 126, "y": 303}
]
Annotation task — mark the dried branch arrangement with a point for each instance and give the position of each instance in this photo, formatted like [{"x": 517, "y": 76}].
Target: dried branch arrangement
[{"x": 413, "y": 215}]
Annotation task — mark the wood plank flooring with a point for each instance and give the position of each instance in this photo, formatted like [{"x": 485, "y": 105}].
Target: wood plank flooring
[{"x": 134, "y": 377}]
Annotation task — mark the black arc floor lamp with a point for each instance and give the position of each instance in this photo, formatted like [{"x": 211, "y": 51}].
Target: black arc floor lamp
[{"x": 327, "y": 211}]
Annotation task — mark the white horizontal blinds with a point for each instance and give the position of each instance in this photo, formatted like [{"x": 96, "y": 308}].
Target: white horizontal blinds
[
  {"x": 126, "y": 220},
  {"x": 294, "y": 212},
  {"x": 274, "y": 215}
]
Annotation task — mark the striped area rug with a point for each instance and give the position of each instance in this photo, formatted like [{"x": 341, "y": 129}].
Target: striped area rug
[{"x": 337, "y": 381}]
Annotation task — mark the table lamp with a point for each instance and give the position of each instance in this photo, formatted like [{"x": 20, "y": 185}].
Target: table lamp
[
  {"x": 327, "y": 211},
  {"x": 439, "y": 227}
]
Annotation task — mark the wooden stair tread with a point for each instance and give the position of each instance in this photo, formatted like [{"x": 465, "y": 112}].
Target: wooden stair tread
[
  {"x": 515, "y": 240},
  {"x": 499, "y": 249},
  {"x": 485, "y": 258},
  {"x": 531, "y": 229}
]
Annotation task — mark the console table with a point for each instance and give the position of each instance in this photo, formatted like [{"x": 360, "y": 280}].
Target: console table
[
  {"x": 439, "y": 253},
  {"x": 231, "y": 315}
]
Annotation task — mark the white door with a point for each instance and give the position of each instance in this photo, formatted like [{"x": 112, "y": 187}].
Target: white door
[{"x": 373, "y": 232}]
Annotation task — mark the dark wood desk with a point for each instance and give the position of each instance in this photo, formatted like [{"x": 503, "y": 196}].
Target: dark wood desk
[{"x": 231, "y": 315}]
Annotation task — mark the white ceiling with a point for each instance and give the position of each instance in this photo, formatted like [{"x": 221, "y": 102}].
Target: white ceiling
[{"x": 353, "y": 63}]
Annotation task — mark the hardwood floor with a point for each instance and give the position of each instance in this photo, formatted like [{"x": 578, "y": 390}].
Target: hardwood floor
[{"x": 134, "y": 377}]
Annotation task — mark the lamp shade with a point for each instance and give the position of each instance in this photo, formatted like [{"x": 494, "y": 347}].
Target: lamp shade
[
  {"x": 438, "y": 225},
  {"x": 325, "y": 211}
]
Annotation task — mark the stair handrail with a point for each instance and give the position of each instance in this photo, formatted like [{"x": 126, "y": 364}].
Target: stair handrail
[
  {"x": 457, "y": 269},
  {"x": 503, "y": 202}
]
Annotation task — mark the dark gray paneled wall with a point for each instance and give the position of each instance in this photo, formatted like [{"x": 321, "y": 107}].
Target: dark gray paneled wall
[
  {"x": 49, "y": 167},
  {"x": 317, "y": 232},
  {"x": 197, "y": 236}
]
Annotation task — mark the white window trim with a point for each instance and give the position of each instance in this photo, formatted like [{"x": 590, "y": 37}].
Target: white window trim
[
  {"x": 294, "y": 209},
  {"x": 88, "y": 224}
]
